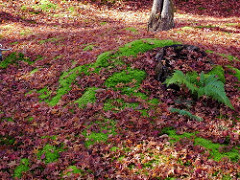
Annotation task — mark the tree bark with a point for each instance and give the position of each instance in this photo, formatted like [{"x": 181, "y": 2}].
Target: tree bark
[{"x": 161, "y": 18}]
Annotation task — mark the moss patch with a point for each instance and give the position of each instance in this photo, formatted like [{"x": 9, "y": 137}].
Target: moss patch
[
  {"x": 119, "y": 80},
  {"x": 65, "y": 82},
  {"x": 87, "y": 97},
  {"x": 89, "y": 47},
  {"x": 44, "y": 5},
  {"x": 228, "y": 56},
  {"x": 110, "y": 59},
  {"x": 213, "y": 148},
  {"x": 118, "y": 104},
  {"x": 44, "y": 93},
  {"x": 6, "y": 140},
  {"x": 233, "y": 154},
  {"x": 142, "y": 45},
  {"x": 104, "y": 129},
  {"x": 13, "y": 58},
  {"x": 49, "y": 153},
  {"x": 23, "y": 167},
  {"x": 73, "y": 170}
]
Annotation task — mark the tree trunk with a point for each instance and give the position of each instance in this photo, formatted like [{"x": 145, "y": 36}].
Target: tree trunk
[{"x": 161, "y": 18}]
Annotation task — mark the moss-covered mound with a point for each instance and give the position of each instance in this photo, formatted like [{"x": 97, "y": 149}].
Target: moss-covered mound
[{"x": 107, "y": 60}]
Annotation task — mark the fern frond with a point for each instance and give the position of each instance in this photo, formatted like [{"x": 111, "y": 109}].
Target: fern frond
[
  {"x": 218, "y": 71},
  {"x": 215, "y": 89},
  {"x": 181, "y": 79},
  {"x": 209, "y": 85},
  {"x": 185, "y": 113}
]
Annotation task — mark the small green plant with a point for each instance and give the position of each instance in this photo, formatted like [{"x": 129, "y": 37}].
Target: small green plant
[
  {"x": 208, "y": 85},
  {"x": 23, "y": 167},
  {"x": 185, "y": 113}
]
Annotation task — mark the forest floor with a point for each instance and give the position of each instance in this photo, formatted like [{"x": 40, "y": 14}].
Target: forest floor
[{"x": 79, "y": 98}]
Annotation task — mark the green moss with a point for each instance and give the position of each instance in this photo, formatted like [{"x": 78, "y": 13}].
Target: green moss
[
  {"x": 54, "y": 137},
  {"x": 87, "y": 97},
  {"x": 71, "y": 9},
  {"x": 124, "y": 77},
  {"x": 23, "y": 167},
  {"x": 44, "y": 93},
  {"x": 53, "y": 39},
  {"x": 209, "y": 26},
  {"x": 213, "y": 148},
  {"x": 233, "y": 154},
  {"x": 176, "y": 137},
  {"x": 89, "y": 47},
  {"x": 154, "y": 101},
  {"x": 10, "y": 59},
  {"x": 132, "y": 29},
  {"x": 14, "y": 43},
  {"x": 114, "y": 148},
  {"x": 227, "y": 177},
  {"x": 75, "y": 170},
  {"x": 13, "y": 58},
  {"x": 49, "y": 153},
  {"x": 229, "y": 57},
  {"x": 103, "y": 23},
  {"x": 7, "y": 140},
  {"x": 232, "y": 24},
  {"x": 103, "y": 59},
  {"x": 109, "y": 60},
  {"x": 118, "y": 104},
  {"x": 30, "y": 119},
  {"x": 209, "y": 51},
  {"x": 187, "y": 28},
  {"x": 65, "y": 81},
  {"x": 142, "y": 45},
  {"x": 34, "y": 70},
  {"x": 25, "y": 32},
  {"x": 44, "y": 5},
  {"x": 8, "y": 119},
  {"x": 106, "y": 128}
]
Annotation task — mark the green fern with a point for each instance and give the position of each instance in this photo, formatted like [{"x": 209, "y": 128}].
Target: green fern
[
  {"x": 179, "y": 78},
  {"x": 209, "y": 85},
  {"x": 236, "y": 72},
  {"x": 185, "y": 113},
  {"x": 219, "y": 72}
]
